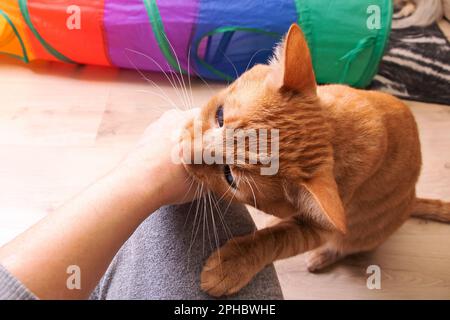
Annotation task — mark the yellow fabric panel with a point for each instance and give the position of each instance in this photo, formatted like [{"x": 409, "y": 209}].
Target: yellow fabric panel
[{"x": 9, "y": 43}]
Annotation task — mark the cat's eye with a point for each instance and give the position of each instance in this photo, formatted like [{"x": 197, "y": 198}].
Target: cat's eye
[
  {"x": 229, "y": 176},
  {"x": 219, "y": 116}
]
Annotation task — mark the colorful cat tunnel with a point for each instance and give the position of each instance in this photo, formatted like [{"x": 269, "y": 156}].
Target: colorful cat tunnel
[{"x": 213, "y": 39}]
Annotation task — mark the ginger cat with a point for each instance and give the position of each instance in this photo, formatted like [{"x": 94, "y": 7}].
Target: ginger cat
[{"x": 349, "y": 161}]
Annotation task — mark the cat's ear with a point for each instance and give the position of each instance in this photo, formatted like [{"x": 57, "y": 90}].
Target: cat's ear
[
  {"x": 325, "y": 192},
  {"x": 298, "y": 70}
]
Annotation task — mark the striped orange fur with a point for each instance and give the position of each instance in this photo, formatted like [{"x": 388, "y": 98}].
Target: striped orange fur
[{"x": 349, "y": 161}]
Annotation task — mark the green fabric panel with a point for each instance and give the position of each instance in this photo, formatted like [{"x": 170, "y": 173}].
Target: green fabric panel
[
  {"x": 160, "y": 34},
  {"x": 356, "y": 58}
]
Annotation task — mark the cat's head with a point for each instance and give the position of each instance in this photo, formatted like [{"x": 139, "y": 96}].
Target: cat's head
[{"x": 279, "y": 103}]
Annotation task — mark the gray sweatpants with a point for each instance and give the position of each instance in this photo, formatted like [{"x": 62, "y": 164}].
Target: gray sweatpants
[{"x": 164, "y": 257}]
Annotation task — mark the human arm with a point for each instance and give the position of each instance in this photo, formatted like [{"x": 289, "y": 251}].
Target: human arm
[{"x": 89, "y": 229}]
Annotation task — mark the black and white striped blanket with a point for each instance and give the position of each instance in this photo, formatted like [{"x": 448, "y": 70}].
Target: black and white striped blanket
[{"x": 416, "y": 65}]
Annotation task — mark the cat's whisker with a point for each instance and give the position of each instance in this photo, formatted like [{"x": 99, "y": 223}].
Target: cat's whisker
[
  {"x": 189, "y": 77},
  {"x": 232, "y": 64},
  {"x": 238, "y": 181},
  {"x": 254, "y": 55},
  {"x": 197, "y": 220},
  {"x": 228, "y": 231},
  {"x": 234, "y": 194},
  {"x": 255, "y": 184},
  {"x": 253, "y": 192},
  {"x": 141, "y": 73},
  {"x": 173, "y": 105},
  {"x": 216, "y": 235},
  {"x": 182, "y": 82},
  {"x": 202, "y": 219},
  {"x": 206, "y": 230},
  {"x": 221, "y": 217},
  {"x": 151, "y": 82},
  {"x": 200, "y": 223},
  {"x": 192, "y": 238},
  {"x": 188, "y": 191},
  {"x": 226, "y": 210},
  {"x": 174, "y": 74},
  {"x": 226, "y": 191},
  {"x": 197, "y": 74},
  {"x": 206, "y": 223},
  {"x": 160, "y": 68},
  {"x": 203, "y": 80},
  {"x": 184, "y": 102}
]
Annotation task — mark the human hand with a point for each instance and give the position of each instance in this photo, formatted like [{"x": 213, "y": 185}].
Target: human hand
[{"x": 152, "y": 160}]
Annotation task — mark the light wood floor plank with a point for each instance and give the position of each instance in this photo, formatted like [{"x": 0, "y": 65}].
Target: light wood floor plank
[{"x": 62, "y": 127}]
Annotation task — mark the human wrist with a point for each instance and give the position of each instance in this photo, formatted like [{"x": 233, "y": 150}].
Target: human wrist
[{"x": 142, "y": 183}]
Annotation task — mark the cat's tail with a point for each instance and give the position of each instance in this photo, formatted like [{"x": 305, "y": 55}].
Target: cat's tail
[{"x": 428, "y": 209}]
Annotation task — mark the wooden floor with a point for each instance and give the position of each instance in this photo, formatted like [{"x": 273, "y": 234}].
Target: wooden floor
[{"x": 62, "y": 126}]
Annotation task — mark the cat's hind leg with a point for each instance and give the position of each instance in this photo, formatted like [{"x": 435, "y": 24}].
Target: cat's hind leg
[{"x": 322, "y": 257}]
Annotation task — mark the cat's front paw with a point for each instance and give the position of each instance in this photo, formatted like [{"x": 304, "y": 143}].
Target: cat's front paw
[{"x": 228, "y": 270}]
